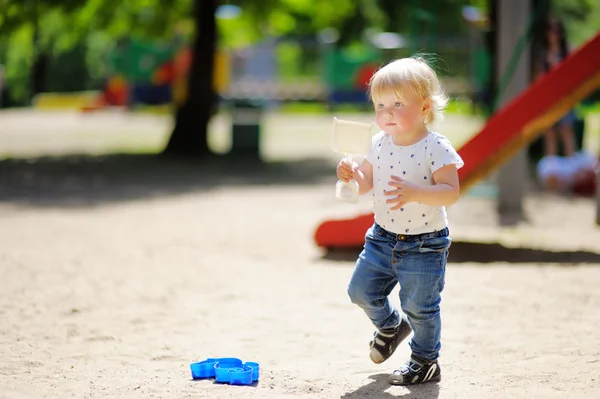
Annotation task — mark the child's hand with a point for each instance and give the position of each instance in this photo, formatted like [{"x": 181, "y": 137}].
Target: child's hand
[
  {"x": 345, "y": 172},
  {"x": 403, "y": 193}
]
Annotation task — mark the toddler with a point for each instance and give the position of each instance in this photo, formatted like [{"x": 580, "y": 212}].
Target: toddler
[{"x": 411, "y": 173}]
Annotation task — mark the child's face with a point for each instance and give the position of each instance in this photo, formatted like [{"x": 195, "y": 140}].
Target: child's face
[{"x": 397, "y": 116}]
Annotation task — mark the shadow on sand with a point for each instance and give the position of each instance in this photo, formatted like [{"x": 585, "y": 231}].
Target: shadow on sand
[
  {"x": 377, "y": 390},
  {"x": 86, "y": 180},
  {"x": 478, "y": 252}
]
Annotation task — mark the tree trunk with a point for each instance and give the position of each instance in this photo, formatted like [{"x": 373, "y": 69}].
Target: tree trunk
[
  {"x": 191, "y": 119},
  {"x": 39, "y": 67}
]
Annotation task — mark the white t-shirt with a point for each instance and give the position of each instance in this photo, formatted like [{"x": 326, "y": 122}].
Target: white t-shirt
[{"x": 415, "y": 163}]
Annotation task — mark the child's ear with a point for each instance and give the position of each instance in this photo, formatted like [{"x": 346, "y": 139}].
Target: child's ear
[{"x": 426, "y": 109}]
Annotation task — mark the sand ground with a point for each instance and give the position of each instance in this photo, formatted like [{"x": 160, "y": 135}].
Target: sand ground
[{"x": 116, "y": 273}]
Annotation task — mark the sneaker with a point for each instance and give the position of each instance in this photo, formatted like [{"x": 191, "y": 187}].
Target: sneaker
[
  {"x": 416, "y": 372},
  {"x": 385, "y": 342}
]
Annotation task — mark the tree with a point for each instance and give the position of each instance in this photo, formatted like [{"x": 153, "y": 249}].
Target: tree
[
  {"x": 191, "y": 119},
  {"x": 19, "y": 13}
]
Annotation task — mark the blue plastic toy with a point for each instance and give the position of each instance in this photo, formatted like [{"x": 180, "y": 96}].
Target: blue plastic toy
[
  {"x": 240, "y": 376},
  {"x": 226, "y": 370}
]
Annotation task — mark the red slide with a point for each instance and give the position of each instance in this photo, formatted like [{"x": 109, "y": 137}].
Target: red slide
[{"x": 511, "y": 128}]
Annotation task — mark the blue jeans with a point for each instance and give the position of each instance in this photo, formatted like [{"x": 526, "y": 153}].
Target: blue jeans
[{"x": 418, "y": 264}]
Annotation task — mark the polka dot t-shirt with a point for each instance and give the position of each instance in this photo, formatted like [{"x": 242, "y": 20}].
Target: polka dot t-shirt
[{"x": 415, "y": 163}]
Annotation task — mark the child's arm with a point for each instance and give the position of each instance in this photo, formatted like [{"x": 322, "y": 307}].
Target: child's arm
[
  {"x": 364, "y": 177},
  {"x": 363, "y": 174},
  {"x": 443, "y": 192},
  {"x": 445, "y": 188}
]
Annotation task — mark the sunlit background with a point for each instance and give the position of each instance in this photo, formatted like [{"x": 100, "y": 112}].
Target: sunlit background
[{"x": 109, "y": 76}]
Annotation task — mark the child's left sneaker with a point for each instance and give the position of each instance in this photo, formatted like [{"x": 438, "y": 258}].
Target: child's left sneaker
[
  {"x": 385, "y": 342},
  {"x": 416, "y": 371}
]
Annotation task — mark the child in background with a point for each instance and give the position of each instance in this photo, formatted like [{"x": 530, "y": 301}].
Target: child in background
[
  {"x": 569, "y": 170},
  {"x": 412, "y": 174}
]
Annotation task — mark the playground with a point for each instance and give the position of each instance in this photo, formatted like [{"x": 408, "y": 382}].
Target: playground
[
  {"x": 122, "y": 265},
  {"x": 121, "y": 270}
]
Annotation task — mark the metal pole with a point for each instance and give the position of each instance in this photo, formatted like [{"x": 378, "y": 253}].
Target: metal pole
[{"x": 512, "y": 19}]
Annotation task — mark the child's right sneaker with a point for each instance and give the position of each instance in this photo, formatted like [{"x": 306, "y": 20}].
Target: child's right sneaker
[
  {"x": 386, "y": 341},
  {"x": 416, "y": 371}
]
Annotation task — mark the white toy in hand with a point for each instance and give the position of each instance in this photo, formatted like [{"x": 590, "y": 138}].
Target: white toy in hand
[{"x": 351, "y": 139}]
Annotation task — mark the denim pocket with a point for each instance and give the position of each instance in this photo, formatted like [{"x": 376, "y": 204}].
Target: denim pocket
[
  {"x": 378, "y": 236},
  {"x": 435, "y": 245}
]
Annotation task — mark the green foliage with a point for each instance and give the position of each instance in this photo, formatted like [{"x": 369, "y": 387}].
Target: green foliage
[
  {"x": 259, "y": 18},
  {"x": 62, "y": 26},
  {"x": 581, "y": 17},
  {"x": 16, "y": 13},
  {"x": 17, "y": 56},
  {"x": 59, "y": 27},
  {"x": 350, "y": 17}
]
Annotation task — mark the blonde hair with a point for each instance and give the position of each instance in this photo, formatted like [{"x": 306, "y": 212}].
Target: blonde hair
[{"x": 414, "y": 74}]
